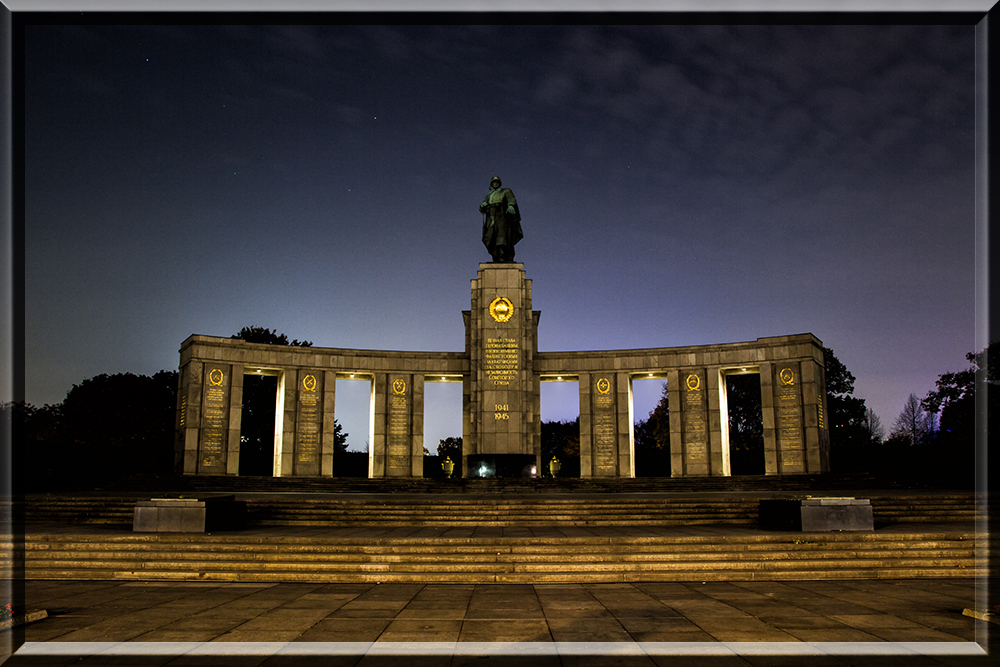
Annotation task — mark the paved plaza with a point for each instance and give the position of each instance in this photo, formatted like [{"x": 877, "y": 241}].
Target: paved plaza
[{"x": 739, "y": 624}]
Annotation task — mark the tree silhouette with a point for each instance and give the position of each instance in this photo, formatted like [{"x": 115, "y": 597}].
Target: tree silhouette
[
  {"x": 267, "y": 336},
  {"x": 913, "y": 425}
]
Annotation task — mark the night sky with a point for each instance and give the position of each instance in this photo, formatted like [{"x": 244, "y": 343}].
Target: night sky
[{"x": 679, "y": 185}]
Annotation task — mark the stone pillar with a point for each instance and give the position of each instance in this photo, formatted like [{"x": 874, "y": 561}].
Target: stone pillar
[
  {"x": 468, "y": 384},
  {"x": 690, "y": 421},
  {"x": 235, "y": 420},
  {"x": 398, "y": 442},
  {"x": 329, "y": 425},
  {"x": 501, "y": 342},
  {"x": 214, "y": 429},
  {"x": 285, "y": 423},
  {"x": 189, "y": 397},
  {"x": 789, "y": 423},
  {"x": 718, "y": 423},
  {"x": 586, "y": 427},
  {"x": 377, "y": 447},
  {"x": 623, "y": 405},
  {"x": 605, "y": 425},
  {"x": 678, "y": 467},
  {"x": 308, "y": 445},
  {"x": 417, "y": 426},
  {"x": 817, "y": 434},
  {"x": 767, "y": 414}
]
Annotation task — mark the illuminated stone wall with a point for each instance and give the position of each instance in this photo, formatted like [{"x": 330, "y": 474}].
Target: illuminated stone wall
[{"x": 501, "y": 370}]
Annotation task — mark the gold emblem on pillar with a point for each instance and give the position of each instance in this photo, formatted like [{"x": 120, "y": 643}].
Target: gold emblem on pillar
[
  {"x": 215, "y": 377},
  {"x": 603, "y": 386},
  {"x": 693, "y": 382},
  {"x": 309, "y": 383},
  {"x": 786, "y": 376},
  {"x": 398, "y": 387},
  {"x": 501, "y": 309}
]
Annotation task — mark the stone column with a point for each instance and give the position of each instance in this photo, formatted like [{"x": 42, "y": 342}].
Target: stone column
[
  {"x": 308, "y": 444},
  {"x": 586, "y": 428},
  {"x": 329, "y": 410},
  {"x": 399, "y": 441},
  {"x": 468, "y": 384},
  {"x": 605, "y": 425},
  {"x": 501, "y": 343},
  {"x": 189, "y": 397},
  {"x": 623, "y": 406},
  {"x": 417, "y": 426},
  {"x": 817, "y": 434},
  {"x": 718, "y": 423},
  {"x": 377, "y": 456},
  {"x": 692, "y": 421},
  {"x": 789, "y": 424},
  {"x": 678, "y": 466},
  {"x": 235, "y": 420},
  {"x": 213, "y": 438},
  {"x": 284, "y": 446},
  {"x": 767, "y": 414}
]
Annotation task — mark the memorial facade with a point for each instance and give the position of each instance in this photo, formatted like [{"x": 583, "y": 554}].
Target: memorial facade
[{"x": 501, "y": 370}]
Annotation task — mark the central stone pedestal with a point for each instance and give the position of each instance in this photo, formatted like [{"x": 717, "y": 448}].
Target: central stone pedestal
[{"x": 501, "y": 394}]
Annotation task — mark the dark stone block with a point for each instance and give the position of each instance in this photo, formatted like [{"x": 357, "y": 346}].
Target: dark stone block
[
  {"x": 828, "y": 514},
  {"x": 183, "y": 515},
  {"x": 816, "y": 514},
  {"x": 780, "y": 514}
]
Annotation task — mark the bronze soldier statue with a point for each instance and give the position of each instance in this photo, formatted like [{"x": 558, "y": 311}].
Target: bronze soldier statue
[{"x": 501, "y": 222}]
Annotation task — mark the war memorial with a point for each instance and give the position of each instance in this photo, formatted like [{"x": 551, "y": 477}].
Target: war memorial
[
  {"x": 301, "y": 565},
  {"x": 501, "y": 370}
]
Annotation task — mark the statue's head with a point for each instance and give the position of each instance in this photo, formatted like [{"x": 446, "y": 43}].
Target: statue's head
[{"x": 494, "y": 183}]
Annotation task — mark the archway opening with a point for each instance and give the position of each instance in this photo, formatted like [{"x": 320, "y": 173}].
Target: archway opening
[
  {"x": 746, "y": 424},
  {"x": 651, "y": 430},
  {"x": 258, "y": 423},
  {"x": 354, "y": 416},
  {"x": 560, "y": 426},
  {"x": 443, "y": 426}
]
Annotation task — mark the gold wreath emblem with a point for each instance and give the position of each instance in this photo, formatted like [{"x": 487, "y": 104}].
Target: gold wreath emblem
[
  {"x": 693, "y": 382},
  {"x": 501, "y": 309},
  {"x": 787, "y": 376},
  {"x": 215, "y": 377},
  {"x": 309, "y": 383},
  {"x": 398, "y": 387},
  {"x": 603, "y": 386}
]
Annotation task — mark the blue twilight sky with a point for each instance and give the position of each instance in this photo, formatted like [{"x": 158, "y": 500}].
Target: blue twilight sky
[{"x": 679, "y": 185}]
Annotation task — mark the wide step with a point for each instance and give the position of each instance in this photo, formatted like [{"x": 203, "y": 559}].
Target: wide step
[{"x": 501, "y": 559}]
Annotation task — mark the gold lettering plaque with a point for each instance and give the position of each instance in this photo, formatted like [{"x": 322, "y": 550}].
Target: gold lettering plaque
[{"x": 501, "y": 309}]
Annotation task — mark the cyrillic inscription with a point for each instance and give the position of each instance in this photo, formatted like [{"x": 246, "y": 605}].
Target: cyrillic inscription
[
  {"x": 399, "y": 428},
  {"x": 604, "y": 423},
  {"x": 693, "y": 420},
  {"x": 501, "y": 360},
  {"x": 789, "y": 419},
  {"x": 214, "y": 422},
  {"x": 307, "y": 436}
]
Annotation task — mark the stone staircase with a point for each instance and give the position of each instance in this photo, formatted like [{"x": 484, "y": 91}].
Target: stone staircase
[
  {"x": 504, "y": 510},
  {"x": 499, "y": 531},
  {"x": 520, "y": 486},
  {"x": 551, "y": 559}
]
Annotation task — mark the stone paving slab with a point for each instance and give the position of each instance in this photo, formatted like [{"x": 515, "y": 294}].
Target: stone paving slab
[{"x": 739, "y": 624}]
